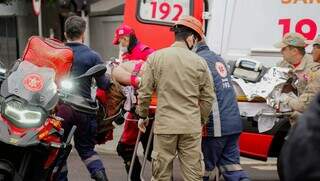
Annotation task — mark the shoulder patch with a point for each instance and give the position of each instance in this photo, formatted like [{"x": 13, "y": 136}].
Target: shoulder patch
[{"x": 221, "y": 69}]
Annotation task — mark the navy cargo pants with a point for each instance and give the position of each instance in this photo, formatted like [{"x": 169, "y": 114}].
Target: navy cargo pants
[
  {"x": 84, "y": 138},
  {"x": 221, "y": 155}
]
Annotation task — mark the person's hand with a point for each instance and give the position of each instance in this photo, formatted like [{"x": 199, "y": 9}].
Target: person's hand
[{"x": 142, "y": 124}]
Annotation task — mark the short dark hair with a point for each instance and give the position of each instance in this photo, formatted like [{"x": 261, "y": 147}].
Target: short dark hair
[
  {"x": 74, "y": 27},
  {"x": 182, "y": 33},
  {"x": 132, "y": 42},
  {"x": 301, "y": 50}
]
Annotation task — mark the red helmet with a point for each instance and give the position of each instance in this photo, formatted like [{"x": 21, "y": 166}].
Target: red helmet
[{"x": 122, "y": 30}]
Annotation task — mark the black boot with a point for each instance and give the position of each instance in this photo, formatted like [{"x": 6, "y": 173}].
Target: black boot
[
  {"x": 135, "y": 171},
  {"x": 100, "y": 176}
]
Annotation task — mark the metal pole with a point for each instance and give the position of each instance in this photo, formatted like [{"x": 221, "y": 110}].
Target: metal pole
[
  {"x": 133, "y": 159},
  {"x": 146, "y": 153},
  {"x": 87, "y": 32},
  {"x": 40, "y": 23}
]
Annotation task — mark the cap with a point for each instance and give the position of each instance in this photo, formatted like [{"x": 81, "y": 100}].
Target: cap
[
  {"x": 122, "y": 30},
  {"x": 293, "y": 39}
]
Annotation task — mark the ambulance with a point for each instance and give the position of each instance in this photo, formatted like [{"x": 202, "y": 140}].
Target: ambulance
[{"x": 235, "y": 29}]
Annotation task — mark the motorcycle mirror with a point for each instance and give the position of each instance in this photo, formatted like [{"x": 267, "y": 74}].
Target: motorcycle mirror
[{"x": 96, "y": 70}]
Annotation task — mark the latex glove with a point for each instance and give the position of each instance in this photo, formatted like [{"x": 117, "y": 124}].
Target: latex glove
[{"x": 142, "y": 124}]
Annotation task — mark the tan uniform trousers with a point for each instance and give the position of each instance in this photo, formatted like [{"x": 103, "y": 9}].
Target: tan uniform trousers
[{"x": 188, "y": 148}]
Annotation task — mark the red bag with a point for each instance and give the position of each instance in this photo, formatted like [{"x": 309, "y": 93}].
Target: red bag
[{"x": 51, "y": 53}]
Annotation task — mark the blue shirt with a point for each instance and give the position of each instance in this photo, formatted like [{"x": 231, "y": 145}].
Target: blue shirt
[
  {"x": 83, "y": 59},
  {"x": 229, "y": 117}
]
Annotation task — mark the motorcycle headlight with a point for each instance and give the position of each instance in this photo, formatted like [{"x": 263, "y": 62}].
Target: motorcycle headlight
[
  {"x": 23, "y": 115},
  {"x": 66, "y": 85}
]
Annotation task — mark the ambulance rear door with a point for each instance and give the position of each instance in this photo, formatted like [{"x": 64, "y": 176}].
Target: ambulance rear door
[{"x": 152, "y": 19}]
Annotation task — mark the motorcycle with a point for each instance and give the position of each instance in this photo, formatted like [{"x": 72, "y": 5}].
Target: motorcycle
[{"x": 31, "y": 136}]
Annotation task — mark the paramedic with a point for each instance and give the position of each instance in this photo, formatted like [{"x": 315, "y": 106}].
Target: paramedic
[{"x": 221, "y": 134}]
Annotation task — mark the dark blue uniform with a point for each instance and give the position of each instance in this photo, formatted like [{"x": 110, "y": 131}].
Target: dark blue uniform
[
  {"x": 84, "y": 137},
  {"x": 220, "y": 136}
]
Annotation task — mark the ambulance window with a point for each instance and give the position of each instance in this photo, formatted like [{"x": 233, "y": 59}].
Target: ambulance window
[{"x": 163, "y": 11}]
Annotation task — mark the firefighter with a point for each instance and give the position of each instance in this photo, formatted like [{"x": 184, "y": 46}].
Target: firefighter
[
  {"x": 294, "y": 55},
  {"x": 185, "y": 93},
  {"x": 84, "y": 137},
  {"x": 307, "y": 71},
  {"x": 316, "y": 50},
  {"x": 131, "y": 50},
  {"x": 221, "y": 134}
]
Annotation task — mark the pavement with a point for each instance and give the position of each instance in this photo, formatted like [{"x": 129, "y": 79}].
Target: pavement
[{"x": 257, "y": 170}]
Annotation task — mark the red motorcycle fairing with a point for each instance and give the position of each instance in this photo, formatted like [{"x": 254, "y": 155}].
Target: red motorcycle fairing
[
  {"x": 31, "y": 149},
  {"x": 30, "y": 136}
]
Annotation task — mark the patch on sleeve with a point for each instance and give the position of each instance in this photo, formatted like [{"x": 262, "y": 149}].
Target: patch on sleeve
[{"x": 221, "y": 69}]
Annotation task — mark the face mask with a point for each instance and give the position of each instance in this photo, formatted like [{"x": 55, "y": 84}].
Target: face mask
[{"x": 123, "y": 49}]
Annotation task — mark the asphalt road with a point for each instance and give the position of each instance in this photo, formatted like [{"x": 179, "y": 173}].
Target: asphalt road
[{"x": 258, "y": 171}]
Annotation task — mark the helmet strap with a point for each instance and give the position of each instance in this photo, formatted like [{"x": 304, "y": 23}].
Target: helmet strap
[{"x": 194, "y": 42}]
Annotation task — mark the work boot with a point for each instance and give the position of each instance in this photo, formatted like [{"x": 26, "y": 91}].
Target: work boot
[
  {"x": 100, "y": 176},
  {"x": 135, "y": 171}
]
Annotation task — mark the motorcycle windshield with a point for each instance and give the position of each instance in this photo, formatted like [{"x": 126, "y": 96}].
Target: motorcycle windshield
[{"x": 32, "y": 83}]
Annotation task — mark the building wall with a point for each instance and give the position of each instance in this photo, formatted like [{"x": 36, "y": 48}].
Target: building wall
[
  {"x": 102, "y": 29},
  {"x": 27, "y": 26},
  {"x": 103, "y": 6},
  {"x": 105, "y": 17}
]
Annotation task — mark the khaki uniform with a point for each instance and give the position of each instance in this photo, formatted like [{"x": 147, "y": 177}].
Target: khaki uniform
[
  {"x": 185, "y": 94},
  {"x": 306, "y": 64},
  {"x": 308, "y": 85},
  {"x": 311, "y": 89}
]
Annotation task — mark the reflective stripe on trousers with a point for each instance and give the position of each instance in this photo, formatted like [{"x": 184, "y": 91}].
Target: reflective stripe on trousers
[{"x": 91, "y": 159}]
